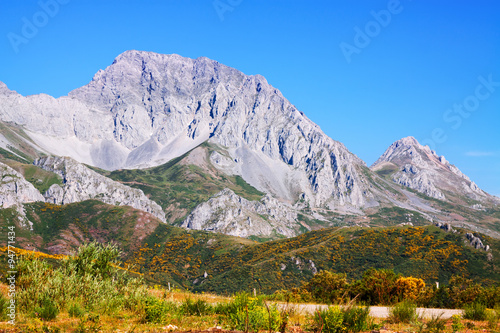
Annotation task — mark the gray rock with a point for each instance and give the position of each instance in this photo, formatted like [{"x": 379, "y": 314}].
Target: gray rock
[
  {"x": 231, "y": 214},
  {"x": 14, "y": 189},
  {"x": 81, "y": 183}
]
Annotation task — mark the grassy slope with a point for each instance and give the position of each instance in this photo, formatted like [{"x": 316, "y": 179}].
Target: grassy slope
[{"x": 169, "y": 254}]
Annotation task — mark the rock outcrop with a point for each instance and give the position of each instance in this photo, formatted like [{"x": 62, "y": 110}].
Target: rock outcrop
[
  {"x": 231, "y": 214},
  {"x": 81, "y": 183},
  {"x": 15, "y": 190}
]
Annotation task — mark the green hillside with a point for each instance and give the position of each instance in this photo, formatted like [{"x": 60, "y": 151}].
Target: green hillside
[{"x": 165, "y": 253}]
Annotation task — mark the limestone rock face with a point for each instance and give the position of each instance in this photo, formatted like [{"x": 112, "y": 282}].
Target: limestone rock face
[
  {"x": 233, "y": 215},
  {"x": 81, "y": 183},
  {"x": 14, "y": 189},
  {"x": 421, "y": 169},
  {"x": 148, "y": 108}
]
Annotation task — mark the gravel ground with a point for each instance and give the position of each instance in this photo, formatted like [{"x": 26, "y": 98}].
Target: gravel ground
[{"x": 383, "y": 311}]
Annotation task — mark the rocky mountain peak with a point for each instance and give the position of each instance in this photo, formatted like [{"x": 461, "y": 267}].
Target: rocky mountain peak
[{"x": 418, "y": 167}]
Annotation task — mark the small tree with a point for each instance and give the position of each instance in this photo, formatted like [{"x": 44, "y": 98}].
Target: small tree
[{"x": 327, "y": 287}]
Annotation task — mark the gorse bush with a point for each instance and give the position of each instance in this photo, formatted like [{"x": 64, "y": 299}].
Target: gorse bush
[
  {"x": 403, "y": 312},
  {"x": 475, "y": 311}
]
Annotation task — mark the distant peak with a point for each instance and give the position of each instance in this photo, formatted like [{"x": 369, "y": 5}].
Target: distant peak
[{"x": 409, "y": 140}]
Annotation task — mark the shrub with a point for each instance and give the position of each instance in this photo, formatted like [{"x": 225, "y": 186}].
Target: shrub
[
  {"x": 456, "y": 323},
  {"x": 75, "y": 310},
  {"x": 327, "y": 287},
  {"x": 330, "y": 320},
  {"x": 246, "y": 313},
  {"x": 356, "y": 318},
  {"x": 195, "y": 308},
  {"x": 157, "y": 309},
  {"x": 492, "y": 317},
  {"x": 47, "y": 309},
  {"x": 475, "y": 311},
  {"x": 4, "y": 303},
  {"x": 403, "y": 312},
  {"x": 436, "y": 324}
]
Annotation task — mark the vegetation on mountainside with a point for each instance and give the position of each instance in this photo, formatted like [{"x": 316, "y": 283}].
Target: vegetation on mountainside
[{"x": 164, "y": 253}]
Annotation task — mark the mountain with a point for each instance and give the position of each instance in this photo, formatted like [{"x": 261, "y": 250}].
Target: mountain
[
  {"x": 408, "y": 163},
  {"x": 201, "y": 145},
  {"x": 147, "y": 108}
]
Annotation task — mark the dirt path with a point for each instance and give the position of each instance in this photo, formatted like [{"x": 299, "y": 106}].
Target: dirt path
[{"x": 383, "y": 311}]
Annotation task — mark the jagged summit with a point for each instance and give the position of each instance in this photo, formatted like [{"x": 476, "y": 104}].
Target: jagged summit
[
  {"x": 410, "y": 164},
  {"x": 147, "y": 108}
]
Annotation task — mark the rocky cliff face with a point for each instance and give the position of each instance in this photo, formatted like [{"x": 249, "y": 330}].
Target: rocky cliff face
[
  {"x": 415, "y": 166},
  {"x": 231, "y": 214},
  {"x": 14, "y": 189},
  {"x": 80, "y": 183},
  {"x": 147, "y": 108}
]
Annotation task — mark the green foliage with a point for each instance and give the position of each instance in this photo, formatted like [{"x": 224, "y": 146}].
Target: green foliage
[
  {"x": 403, "y": 312},
  {"x": 328, "y": 320},
  {"x": 197, "y": 307},
  {"x": 47, "y": 309},
  {"x": 94, "y": 283},
  {"x": 356, "y": 318},
  {"x": 475, "y": 311},
  {"x": 156, "y": 310},
  {"x": 456, "y": 323},
  {"x": 246, "y": 313},
  {"x": 75, "y": 310},
  {"x": 377, "y": 286},
  {"x": 95, "y": 260},
  {"x": 436, "y": 324},
  {"x": 4, "y": 303},
  {"x": 327, "y": 287}
]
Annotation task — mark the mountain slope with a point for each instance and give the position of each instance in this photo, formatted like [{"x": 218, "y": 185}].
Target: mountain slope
[{"x": 146, "y": 109}]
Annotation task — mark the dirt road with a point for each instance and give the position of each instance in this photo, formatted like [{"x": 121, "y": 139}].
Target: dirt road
[{"x": 383, "y": 311}]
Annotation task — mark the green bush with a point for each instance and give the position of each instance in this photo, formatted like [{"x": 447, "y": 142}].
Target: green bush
[
  {"x": 330, "y": 320},
  {"x": 156, "y": 310},
  {"x": 47, "y": 310},
  {"x": 90, "y": 277},
  {"x": 475, "y": 311},
  {"x": 356, "y": 318},
  {"x": 195, "y": 308},
  {"x": 75, "y": 310},
  {"x": 246, "y": 313},
  {"x": 4, "y": 303},
  {"x": 456, "y": 323},
  {"x": 436, "y": 324},
  {"x": 403, "y": 312}
]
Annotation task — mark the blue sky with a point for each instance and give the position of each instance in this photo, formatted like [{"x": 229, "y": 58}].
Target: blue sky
[{"x": 368, "y": 72}]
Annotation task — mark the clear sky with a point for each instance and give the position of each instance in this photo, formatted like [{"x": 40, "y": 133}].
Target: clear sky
[{"x": 368, "y": 72}]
